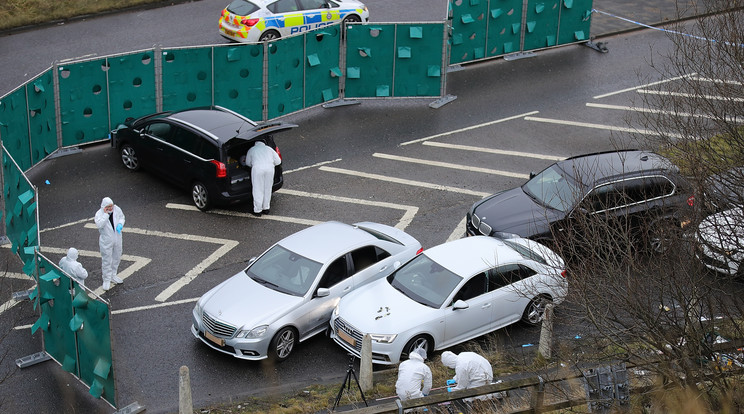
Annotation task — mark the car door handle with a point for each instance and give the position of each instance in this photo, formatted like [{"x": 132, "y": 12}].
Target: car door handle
[
  {"x": 347, "y": 288},
  {"x": 486, "y": 306},
  {"x": 382, "y": 268}
]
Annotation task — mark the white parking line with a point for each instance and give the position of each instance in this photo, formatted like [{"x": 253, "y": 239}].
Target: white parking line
[
  {"x": 226, "y": 246},
  {"x": 274, "y": 217},
  {"x": 457, "y": 131},
  {"x": 312, "y": 166},
  {"x": 659, "y": 111},
  {"x": 459, "y": 231},
  {"x": 691, "y": 95},
  {"x": 404, "y": 181},
  {"x": 598, "y": 126},
  {"x": 450, "y": 165},
  {"x": 493, "y": 151},
  {"x": 645, "y": 86}
]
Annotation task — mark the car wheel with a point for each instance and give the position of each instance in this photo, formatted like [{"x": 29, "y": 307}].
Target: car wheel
[
  {"x": 200, "y": 195},
  {"x": 129, "y": 158},
  {"x": 352, "y": 18},
  {"x": 282, "y": 344},
  {"x": 269, "y": 35},
  {"x": 659, "y": 237},
  {"x": 535, "y": 311},
  {"x": 417, "y": 341}
]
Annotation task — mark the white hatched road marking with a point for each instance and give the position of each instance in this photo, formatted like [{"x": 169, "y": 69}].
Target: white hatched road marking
[
  {"x": 449, "y": 165},
  {"x": 691, "y": 95},
  {"x": 457, "y": 131},
  {"x": 644, "y": 86},
  {"x": 404, "y": 181}
]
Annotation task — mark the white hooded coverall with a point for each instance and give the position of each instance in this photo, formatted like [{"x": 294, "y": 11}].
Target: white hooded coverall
[
  {"x": 262, "y": 159},
  {"x": 72, "y": 267},
  {"x": 471, "y": 369},
  {"x": 414, "y": 378},
  {"x": 109, "y": 240}
]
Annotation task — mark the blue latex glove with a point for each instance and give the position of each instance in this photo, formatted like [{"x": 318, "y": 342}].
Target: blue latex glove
[
  {"x": 119, "y": 227},
  {"x": 451, "y": 382},
  {"x": 449, "y": 389}
]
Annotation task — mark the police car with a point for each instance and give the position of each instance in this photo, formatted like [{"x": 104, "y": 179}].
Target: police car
[{"x": 262, "y": 20}]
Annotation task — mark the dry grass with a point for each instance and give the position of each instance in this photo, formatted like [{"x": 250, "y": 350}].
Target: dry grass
[{"x": 20, "y": 13}]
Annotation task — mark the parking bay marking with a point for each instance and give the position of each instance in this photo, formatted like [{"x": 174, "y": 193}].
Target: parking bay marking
[
  {"x": 492, "y": 151},
  {"x": 226, "y": 246},
  {"x": 597, "y": 126},
  {"x": 450, "y": 165},
  {"x": 404, "y": 181},
  {"x": 469, "y": 128}
]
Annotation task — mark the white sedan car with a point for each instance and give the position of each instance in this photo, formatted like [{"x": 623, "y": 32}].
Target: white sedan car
[
  {"x": 450, "y": 294},
  {"x": 287, "y": 294},
  {"x": 721, "y": 241}
]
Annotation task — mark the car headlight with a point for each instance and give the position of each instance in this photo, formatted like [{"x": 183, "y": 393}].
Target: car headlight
[
  {"x": 198, "y": 309},
  {"x": 256, "y": 332},
  {"x": 336, "y": 311},
  {"x": 383, "y": 339}
]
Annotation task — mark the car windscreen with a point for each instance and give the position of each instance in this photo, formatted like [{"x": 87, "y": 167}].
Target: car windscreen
[
  {"x": 242, "y": 7},
  {"x": 285, "y": 271},
  {"x": 552, "y": 189},
  {"x": 424, "y": 281}
]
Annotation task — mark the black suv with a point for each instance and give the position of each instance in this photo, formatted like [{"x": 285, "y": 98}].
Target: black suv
[
  {"x": 202, "y": 149},
  {"x": 637, "y": 185}
]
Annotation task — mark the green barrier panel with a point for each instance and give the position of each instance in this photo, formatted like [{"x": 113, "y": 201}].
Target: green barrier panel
[
  {"x": 131, "y": 83},
  {"x": 468, "y": 20},
  {"x": 504, "y": 27},
  {"x": 575, "y": 21},
  {"x": 20, "y": 213},
  {"x": 53, "y": 297},
  {"x": 42, "y": 117},
  {"x": 187, "y": 78},
  {"x": 238, "y": 82},
  {"x": 14, "y": 127},
  {"x": 541, "y": 27},
  {"x": 83, "y": 98},
  {"x": 419, "y": 59},
  {"x": 322, "y": 72},
  {"x": 286, "y": 76},
  {"x": 92, "y": 321},
  {"x": 370, "y": 51}
]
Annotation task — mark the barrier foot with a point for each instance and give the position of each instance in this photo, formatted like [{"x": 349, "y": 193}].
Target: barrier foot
[
  {"x": 599, "y": 46},
  {"x": 340, "y": 102},
  {"x": 519, "y": 55},
  {"x": 22, "y": 295},
  {"x": 132, "y": 408},
  {"x": 4, "y": 240},
  {"x": 33, "y": 359},
  {"x": 65, "y": 151},
  {"x": 442, "y": 101}
]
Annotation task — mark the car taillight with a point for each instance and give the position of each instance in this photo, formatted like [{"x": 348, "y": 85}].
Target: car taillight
[
  {"x": 420, "y": 250},
  {"x": 564, "y": 274},
  {"x": 221, "y": 169},
  {"x": 249, "y": 22},
  {"x": 691, "y": 200},
  {"x": 279, "y": 153},
  {"x": 223, "y": 13}
]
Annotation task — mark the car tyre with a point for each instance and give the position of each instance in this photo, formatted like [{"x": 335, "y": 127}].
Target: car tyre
[
  {"x": 269, "y": 35},
  {"x": 535, "y": 310},
  {"x": 282, "y": 344},
  {"x": 352, "y": 18},
  {"x": 200, "y": 196},
  {"x": 129, "y": 157},
  {"x": 420, "y": 340}
]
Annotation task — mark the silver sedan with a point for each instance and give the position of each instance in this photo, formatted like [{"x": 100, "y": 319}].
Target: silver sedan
[
  {"x": 287, "y": 294},
  {"x": 450, "y": 294}
]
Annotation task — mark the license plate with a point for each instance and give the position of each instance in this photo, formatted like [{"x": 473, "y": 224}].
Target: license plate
[
  {"x": 229, "y": 32},
  {"x": 216, "y": 340},
  {"x": 343, "y": 335}
]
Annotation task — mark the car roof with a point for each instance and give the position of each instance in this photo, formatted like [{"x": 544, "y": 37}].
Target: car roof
[
  {"x": 471, "y": 255},
  {"x": 591, "y": 169},
  {"x": 323, "y": 242}
]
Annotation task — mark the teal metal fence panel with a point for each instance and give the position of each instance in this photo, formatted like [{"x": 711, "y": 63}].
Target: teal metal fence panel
[
  {"x": 187, "y": 78},
  {"x": 238, "y": 80},
  {"x": 286, "y": 76},
  {"x": 370, "y": 53},
  {"x": 131, "y": 83},
  {"x": 42, "y": 117},
  {"x": 322, "y": 71},
  {"x": 21, "y": 223},
  {"x": 469, "y": 28},
  {"x": 541, "y": 24},
  {"x": 419, "y": 58},
  {"x": 575, "y": 21},
  {"x": 53, "y": 299},
  {"x": 14, "y": 127},
  {"x": 83, "y": 101},
  {"x": 504, "y": 27}
]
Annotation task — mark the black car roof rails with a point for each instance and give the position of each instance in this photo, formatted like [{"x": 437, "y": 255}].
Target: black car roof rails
[{"x": 602, "y": 152}]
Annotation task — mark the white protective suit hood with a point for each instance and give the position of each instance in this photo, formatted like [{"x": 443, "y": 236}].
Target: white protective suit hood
[
  {"x": 72, "y": 254},
  {"x": 106, "y": 202},
  {"x": 449, "y": 359}
]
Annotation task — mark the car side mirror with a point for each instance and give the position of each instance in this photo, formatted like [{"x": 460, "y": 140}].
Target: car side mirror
[
  {"x": 460, "y": 304},
  {"x": 322, "y": 292},
  {"x": 532, "y": 174}
]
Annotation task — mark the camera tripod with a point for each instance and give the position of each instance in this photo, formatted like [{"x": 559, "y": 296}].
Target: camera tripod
[{"x": 347, "y": 384}]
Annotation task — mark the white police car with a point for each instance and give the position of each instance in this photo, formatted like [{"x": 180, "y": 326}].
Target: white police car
[{"x": 262, "y": 20}]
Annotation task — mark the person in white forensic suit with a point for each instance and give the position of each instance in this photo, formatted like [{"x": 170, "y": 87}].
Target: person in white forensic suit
[
  {"x": 414, "y": 376},
  {"x": 471, "y": 370},
  {"x": 110, "y": 221},
  {"x": 262, "y": 159},
  {"x": 72, "y": 267}
]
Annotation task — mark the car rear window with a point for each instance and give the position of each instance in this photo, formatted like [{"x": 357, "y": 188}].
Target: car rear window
[
  {"x": 380, "y": 236},
  {"x": 242, "y": 7}
]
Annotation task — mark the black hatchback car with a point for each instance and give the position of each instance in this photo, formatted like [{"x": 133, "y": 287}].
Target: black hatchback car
[
  {"x": 202, "y": 149},
  {"x": 637, "y": 185}
]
